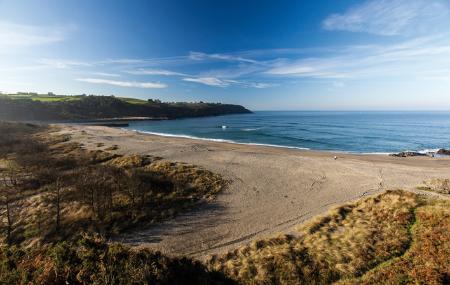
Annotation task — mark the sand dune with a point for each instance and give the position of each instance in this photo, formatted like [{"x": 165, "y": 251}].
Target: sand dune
[{"x": 271, "y": 190}]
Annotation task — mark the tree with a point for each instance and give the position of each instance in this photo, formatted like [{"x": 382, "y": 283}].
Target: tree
[
  {"x": 56, "y": 190},
  {"x": 9, "y": 192}
]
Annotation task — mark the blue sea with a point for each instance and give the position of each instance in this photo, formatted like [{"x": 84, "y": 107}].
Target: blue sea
[{"x": 354, "y": 132}]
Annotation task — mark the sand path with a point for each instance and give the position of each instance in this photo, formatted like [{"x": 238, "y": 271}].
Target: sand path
[{"x": 273, "y": 189}]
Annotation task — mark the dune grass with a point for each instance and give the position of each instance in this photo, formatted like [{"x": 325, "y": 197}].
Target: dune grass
[
  {"x": 438, "y": 185},
  {"x": 404, "y": 237},
  {"x": 427, "y": 260},
  {"x": 62, "y": 189}
]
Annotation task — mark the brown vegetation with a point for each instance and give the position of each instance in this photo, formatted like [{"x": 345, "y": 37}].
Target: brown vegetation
[
  {"x": 427, "y": 260},
  {"x": 59, "y": 202},
  {"x": 437, "y": 185},
  {"x": 93, "y": 261},
  {"x": 56, "y": 189},
  {"x": 350, "y": 241}
]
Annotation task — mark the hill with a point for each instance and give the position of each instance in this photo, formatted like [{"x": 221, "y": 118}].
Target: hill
[{"x": 35, "y": 107}]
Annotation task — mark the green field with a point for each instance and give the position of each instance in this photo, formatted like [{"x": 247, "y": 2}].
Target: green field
[
  {"x": 64, "y": 98},
  {"x": 133, "y": 100},
  {"x": 43, "y": 97}
]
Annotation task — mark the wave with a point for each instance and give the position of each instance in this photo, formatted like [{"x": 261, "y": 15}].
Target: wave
[
  {"x": 424, "y": 151},
  {"x": 217, "y": 140},
  {"x": 251, "y": 129}
]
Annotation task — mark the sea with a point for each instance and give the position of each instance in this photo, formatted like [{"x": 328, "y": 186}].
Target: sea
[{"x": 351, "y": 132}]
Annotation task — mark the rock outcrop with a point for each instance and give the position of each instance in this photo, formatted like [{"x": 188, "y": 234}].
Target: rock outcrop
[
  {"x": 443, "y": 151},
  {"x": 407, "y": 154}
]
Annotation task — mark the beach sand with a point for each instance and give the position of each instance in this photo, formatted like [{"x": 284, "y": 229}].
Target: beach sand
[{"x": 272, "y": 189}]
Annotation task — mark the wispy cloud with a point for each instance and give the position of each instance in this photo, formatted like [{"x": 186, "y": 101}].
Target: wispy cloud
[
  {"x": 62, "y": 63},
  {"x": 106, "y": 74},
  {"x": 210, "y": 81},
  {"x": 221, "y": 57},
  {"x": 143, "y": 71},
  {"x": 217, "y": 82},
  {"x": 147, "y": 85},
  {"x": 390, "y": 17},
  {"x": 260, "y": 85},
  {"x": 414, "y": 57},
  {"x": 14, "y": 35}
]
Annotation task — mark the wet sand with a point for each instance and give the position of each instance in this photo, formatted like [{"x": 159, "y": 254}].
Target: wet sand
[{"x": 272, "y": 190}]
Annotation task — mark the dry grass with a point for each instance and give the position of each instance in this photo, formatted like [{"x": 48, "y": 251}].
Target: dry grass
[
  {"x": 112, "y": 148},
  {"x": 427, "y": 261},
  {"x": 347, "y": 243},
  {"x": 192, "y": 177},
  {"x": 101, "y": 191},
  {"x": 437, "y": 185}
]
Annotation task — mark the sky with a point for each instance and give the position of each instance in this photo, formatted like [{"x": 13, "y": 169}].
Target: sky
[{"x": 263, "y": 54}]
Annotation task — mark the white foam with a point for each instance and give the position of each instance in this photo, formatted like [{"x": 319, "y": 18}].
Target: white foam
[
  {"x": 217, "y": 140},
  {"x": 251, "y": 129},
  {"x": 425, "y": 151}
]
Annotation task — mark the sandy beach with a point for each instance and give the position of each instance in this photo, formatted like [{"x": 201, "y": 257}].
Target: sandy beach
[{"x": 271, "y": 191}]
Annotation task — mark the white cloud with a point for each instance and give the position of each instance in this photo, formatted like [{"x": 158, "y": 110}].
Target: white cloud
[
  {"x": 260, "y": 85},
  {"x": 147, "y": 85},
  {"x": 221, "y": 57},
  {"x": 213, "y": 81},
  {"x": 142, "y": 71},
  {"x": 15, "y": 36},
  {"x": 391, "y": 17},
  {"x": 416, "y": 57},
  {"x": 106, "y": 74},
  {"x": 122, "y": 61},
  {"x": 62, "y": 63},
  {"x": 210, "y": 81}
]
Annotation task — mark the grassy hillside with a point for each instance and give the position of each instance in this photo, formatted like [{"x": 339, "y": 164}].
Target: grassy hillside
[
  {"x": 28, "y": 107},
  {"x": 393, "y": 238}
]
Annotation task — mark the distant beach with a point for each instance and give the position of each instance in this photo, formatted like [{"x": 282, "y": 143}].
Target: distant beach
[
  {"x": 271, "y": 189},
  {"x": 350, "y": 132}
]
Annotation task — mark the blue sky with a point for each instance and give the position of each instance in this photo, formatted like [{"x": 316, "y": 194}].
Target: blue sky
[{"x": 266, "y": 55}]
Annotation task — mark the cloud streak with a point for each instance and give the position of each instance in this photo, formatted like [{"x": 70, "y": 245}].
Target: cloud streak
[
  {"x": 143, "y": 71},
  {"x": 210, "y": 81},
  {"x": 62, "y": 63},
  {"x": 146, "y": 85},
  {"x": 13, "y": 35},
  {"x": 390, "y": 17},
  {"x": 200, "y": 56},
  {"x": 415, "y": 57},
  {"x": 217, "y": 82}
]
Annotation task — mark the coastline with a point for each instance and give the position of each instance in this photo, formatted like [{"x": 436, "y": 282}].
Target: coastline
[
  {"x": 272, "y": 189},
  {"x": 427, "y": 152}
]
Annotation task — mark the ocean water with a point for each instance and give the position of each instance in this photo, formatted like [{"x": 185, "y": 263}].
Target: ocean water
[{"x": 355, "y": 132}]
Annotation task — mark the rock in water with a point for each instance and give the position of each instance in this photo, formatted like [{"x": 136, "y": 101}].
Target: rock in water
[
  {"x": 407, "y": 154},
  {"x": 443, "y": 151}
]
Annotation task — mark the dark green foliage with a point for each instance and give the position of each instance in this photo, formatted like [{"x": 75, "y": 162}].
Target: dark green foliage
[{"x": 106, "y": 107}]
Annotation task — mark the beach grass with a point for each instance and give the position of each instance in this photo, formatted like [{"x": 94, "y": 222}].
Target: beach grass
[
  {"x": 60, "y": 189},
  {"x": 394, "y": 237}
]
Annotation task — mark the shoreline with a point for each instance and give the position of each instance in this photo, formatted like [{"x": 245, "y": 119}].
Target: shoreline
[
  {"x": 427, "y": 152},
  {"x": 272, "y": 189}
]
